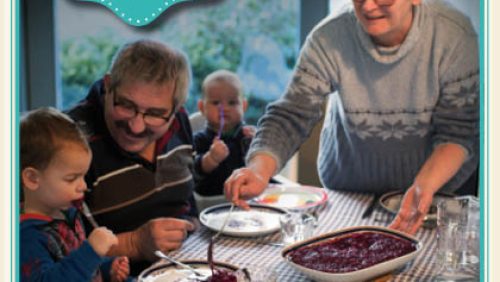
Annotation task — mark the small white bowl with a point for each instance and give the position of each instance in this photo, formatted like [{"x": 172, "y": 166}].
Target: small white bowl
[
  {"x": 168, "y": 272},
  {"x": 358, "y": 275}
]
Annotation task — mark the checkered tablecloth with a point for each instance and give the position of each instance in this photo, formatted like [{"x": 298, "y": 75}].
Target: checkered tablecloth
[{"x": 342, "y": 210}]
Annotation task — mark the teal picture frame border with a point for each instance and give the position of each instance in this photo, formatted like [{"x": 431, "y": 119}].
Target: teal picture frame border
[
  {"x": 14, "y": 125},
  {"x": 484, "y": 181},
  {"x": 483, "y": 141}
]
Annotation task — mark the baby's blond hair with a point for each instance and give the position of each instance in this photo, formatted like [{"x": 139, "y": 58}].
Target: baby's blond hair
[{"x": 223, "y": 76}]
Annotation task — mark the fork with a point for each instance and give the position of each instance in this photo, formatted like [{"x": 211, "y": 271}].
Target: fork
[
  {"x": 197, "y": 273},
  {"x": 371, "y": 207}
]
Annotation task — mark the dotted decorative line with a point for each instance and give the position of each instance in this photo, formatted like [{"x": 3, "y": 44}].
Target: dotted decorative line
[{"x": 138, "y": 21}]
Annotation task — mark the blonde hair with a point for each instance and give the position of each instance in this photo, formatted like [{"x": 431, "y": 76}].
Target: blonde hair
[
  {"x": 151, "y": 61},
  {"x": 223, "y": 76}
]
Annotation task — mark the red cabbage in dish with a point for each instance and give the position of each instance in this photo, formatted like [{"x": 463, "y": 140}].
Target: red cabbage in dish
[
  {"x": 351, "y": 252},
  {"x": 222, "y": 275}
]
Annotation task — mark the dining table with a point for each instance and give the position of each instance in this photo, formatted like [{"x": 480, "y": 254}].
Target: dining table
[{"x": 341, "y": 210}]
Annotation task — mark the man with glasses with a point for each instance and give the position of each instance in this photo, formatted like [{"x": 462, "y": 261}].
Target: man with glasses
[
  {"x": 401, "y": 78},
  {"x": 140, "y": 180}
]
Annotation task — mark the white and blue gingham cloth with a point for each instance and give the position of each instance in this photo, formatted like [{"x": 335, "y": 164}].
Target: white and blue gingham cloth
[{"x": 342, "y": 210}]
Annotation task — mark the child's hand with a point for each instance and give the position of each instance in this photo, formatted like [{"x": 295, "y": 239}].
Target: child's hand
[
  {"x": 249, "y": 131},
  {"x": 218, "y": 151},
  {"x": 120, "y": 269},
  {"x": 101, "y": 240}
]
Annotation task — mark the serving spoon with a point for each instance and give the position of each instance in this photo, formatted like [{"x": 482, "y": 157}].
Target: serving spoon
[{"x": 210, "y": 256}]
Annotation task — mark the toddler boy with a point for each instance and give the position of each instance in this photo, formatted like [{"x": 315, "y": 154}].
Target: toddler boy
[{"x": 55, "y": 157}]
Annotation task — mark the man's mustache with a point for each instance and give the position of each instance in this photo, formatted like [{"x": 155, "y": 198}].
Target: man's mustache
[{"x": 124, "y": 125}]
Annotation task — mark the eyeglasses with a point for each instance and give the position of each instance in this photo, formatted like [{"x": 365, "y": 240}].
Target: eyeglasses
[
  {"x": 378, "y": 2},
  {"x": 129, "y": 110}
]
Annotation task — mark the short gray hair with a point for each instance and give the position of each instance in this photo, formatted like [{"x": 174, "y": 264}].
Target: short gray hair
[{"x": 151, "y": 61}]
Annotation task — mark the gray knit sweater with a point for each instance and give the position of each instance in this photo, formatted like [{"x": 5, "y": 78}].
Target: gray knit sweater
[{"x": 387, "y": 107}]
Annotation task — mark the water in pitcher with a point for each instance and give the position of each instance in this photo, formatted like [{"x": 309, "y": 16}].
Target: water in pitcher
[{"x": 458, "y": 230}]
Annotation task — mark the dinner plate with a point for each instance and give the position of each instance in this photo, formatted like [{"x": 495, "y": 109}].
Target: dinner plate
[
  {"x": 259, "y": 220},
  {"x": 362, "y": 274},
  {"x": 169, "y": 272},
  {"x": 292, "y": 197},
  {"x": 392, "y": 200}
]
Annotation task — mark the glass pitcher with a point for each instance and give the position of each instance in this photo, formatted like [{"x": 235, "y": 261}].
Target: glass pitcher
[{"x": 458, "y": 239}]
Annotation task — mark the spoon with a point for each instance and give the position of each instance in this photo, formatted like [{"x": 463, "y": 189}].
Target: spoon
[
  {"x": 224, "y": 223},
  {"x": 221, "y": 121},
  {"x": 199, "y": 274},
  {"x": 88, "y": 215}
]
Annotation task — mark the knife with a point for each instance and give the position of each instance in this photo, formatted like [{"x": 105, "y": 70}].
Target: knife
[{"x": 369, "y": 210}]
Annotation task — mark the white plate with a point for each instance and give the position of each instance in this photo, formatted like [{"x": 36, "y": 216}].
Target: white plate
[
  {"x": 292, "y": 197},
  {"x": 358, "y": 275},
  {"x": 168, "y": 272},
  {"x": 259, "y": 220},
  {"x": 392, "y": 200}
]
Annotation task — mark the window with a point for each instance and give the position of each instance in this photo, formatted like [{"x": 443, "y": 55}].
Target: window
[{"x": 257, "y": 39}]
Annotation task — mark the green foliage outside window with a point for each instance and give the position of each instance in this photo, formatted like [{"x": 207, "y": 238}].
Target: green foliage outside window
[{"x": 214, "y": 37}]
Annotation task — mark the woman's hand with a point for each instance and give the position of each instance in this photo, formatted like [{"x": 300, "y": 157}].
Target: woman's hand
[
  {"x": 248, "y": 182},
  {"x": 414, "y": 207},
  {"x": 244, "y": 184},
  {"x": 439, "y": 168}
]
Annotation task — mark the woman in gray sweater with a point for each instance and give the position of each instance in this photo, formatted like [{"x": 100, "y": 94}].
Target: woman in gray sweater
[{"x": 401, "y": 79}]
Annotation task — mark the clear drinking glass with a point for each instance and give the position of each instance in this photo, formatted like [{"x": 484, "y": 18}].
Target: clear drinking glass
[
  {"x": 458, "y": 229},
  {"x": 296, "y": 226},
  {"x": 255, "y": 273}
]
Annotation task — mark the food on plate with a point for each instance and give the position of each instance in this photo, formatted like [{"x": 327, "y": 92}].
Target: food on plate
[
  {"x": 243, "y": 222},
  {"x": 296, "y": 197},
  {"x": 246, "y": 221},
  {"x": 270, "y": 198},
  {"x": 351, "y": 252},
  {"x": 173, "y": 274},
  {"x": 222, "y": 275},
  {"x": 218, "y": 274}
]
